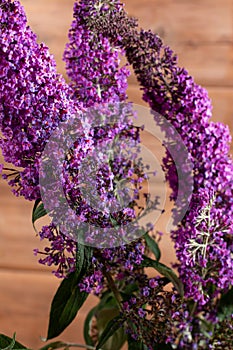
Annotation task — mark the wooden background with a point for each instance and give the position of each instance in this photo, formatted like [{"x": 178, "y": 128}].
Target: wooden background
[{"x": 201, "y": 32}]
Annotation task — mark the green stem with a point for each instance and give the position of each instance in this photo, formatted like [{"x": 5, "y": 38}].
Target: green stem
[
  {"x": 113, "y": 288},
  {"x": 70, "y": 345},
  {"x": 81, "y": 346},
  {"x": 193, "y": 309}
]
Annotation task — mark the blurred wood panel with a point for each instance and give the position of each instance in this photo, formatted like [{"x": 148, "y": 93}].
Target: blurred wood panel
[
  {"x": 51, "y": 20},
  {"x": 25, "y": 305},
  {"x": 221, "y": 97},
  {"x": 201, "y": 32},
  {"x": 198, "y": 21},
  {"x": 175, "y": 20},
  {"x": 17, "y": 236},
  {"x": 210, "y": 64}
]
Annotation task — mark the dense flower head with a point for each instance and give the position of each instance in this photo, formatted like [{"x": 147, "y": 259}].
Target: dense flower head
[
  {"x": 206, "y": 261},
  {"x": 172, "y": 92},
  {"x": 33, "y": 97},
  {"x": 107, "y": 136},
  {"x": 86, "y": 174},
  {"x": 92, "y": 181},
  {"x": 92, "y": 62}
]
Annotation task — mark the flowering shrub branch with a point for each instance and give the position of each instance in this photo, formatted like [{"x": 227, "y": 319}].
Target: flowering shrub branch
[{"x": 193, "y": 310}]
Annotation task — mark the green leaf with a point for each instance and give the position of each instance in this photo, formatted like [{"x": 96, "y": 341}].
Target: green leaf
[
  {"x": 68, "y": 298},
  {"x": 87, "y": 326},
  {"x": 139, "y": 345},
  {"x": 225, "y": 308},
  {"x": 107, "y": 301},
  {"x": 109, "y": 330},
  {"x": 136, "y": 344},
  {"x": 65, "y": 305},
  {"x": 103, "y": 317},
  {"x": 7, "y": 343},
  {"x": 130, "y": 289},
  {"x": 165, "y": 271},
  {"x": 162, "y": 346},
  {"x": 38, "y": 212},
  {"x": 153, "y": 246}
]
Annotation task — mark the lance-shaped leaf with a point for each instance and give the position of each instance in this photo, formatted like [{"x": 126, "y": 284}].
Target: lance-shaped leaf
[
  {"x": 68, "y": 298},
  {"x": 110, "y": 329},
  {"x": 153, "y": 246},
  {"x": 136, "y": 344},
  {"x": 38, "y": 212},
  {"x": 7, "y": 343},
  {"x": 87, "y": 326},
  {"x": 225, "y": 308},
  {"x": 103, "y": 317}
]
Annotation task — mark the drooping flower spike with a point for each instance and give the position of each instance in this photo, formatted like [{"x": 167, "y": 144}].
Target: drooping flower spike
[{"x": 34, "y": 98}]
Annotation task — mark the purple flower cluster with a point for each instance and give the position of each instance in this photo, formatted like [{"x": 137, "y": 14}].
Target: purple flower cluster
[
  {"x": 33, "y": 98},
  {"x": 124, "y": 259},
  {"x": 42, "y": 100},
  {"x": 119, "y": 262},
  {"x": 89, "y": 170},
  {"x": 94, "y": 282},
  {"x": 206, "y": 260},
  {"x": 150, "y": 309},
  {"x": 61, "y": 251},
  {"x": 97, "y": 180},
  {"x": 172, "y": 92},
  {"x": 92, "y": 62}
]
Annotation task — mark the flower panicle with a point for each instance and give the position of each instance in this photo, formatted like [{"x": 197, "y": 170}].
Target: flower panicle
[{"x": 34, "y": 98}]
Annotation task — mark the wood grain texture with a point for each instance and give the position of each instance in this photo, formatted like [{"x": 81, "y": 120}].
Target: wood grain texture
[
  {"x": 221, "y": 98},
  {"x": 201, "y": 32},
  {"x": 199, "y": 21},
  {"x": 25, "y": 301},
  {"x": 50, "y": 20}
]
